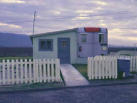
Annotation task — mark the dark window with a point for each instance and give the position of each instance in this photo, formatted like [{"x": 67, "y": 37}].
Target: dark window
[
  {"x": 46, "y": 45},
  {"x": 83, "y": 38},
  {"x": 101, "y": 38}
]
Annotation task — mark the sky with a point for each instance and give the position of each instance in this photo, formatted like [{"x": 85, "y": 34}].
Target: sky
[{"x": 119, "y": 16}]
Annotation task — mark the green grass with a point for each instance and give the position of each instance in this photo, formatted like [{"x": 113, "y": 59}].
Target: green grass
[{"x": 82, "y": 68}]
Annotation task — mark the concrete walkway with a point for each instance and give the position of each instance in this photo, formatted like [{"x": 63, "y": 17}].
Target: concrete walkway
[{"x": 72, "y": 77}]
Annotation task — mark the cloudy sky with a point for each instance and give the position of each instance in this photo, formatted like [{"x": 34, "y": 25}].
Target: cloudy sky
[{"x": 119, "y": 16}]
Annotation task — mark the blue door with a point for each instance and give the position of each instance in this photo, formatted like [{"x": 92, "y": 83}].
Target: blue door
[{"x": 64, "y": 50}]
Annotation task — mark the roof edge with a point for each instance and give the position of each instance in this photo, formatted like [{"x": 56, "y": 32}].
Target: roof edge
[{"x": 55, "y": 32}]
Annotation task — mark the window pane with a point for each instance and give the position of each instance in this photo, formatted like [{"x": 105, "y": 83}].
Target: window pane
[
  {"x": 42, "y": 44},
  {"x": 101, "y": 38},
  {"x": 64, "y": 43},
  {"x": 83, "y": 38},
  {"x": 49, "y": 44}
]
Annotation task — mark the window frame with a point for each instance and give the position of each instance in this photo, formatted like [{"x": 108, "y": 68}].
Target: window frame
[{"x": 45, "y": 49}]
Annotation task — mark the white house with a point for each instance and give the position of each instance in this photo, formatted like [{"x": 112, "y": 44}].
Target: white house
[{"x": 72, "y": 45}]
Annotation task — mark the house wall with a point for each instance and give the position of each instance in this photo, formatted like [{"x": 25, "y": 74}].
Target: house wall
[
  {"x": 91, "y": 48},
  {"x": 54, "y": 54}
]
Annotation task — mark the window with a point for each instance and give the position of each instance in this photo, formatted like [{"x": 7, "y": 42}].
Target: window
[
  {"x": 83, "y": 38},
  {"x": 46, "y": 45},
  {"x": 101, "y": 38},
  {"x": 64, "y": 43}
]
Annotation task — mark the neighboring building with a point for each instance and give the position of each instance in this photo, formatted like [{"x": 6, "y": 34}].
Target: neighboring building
[
  {"x": 72, "y": 45},
  {"x": 127, "y": 51},
  {"x": 15, "y": 45}
]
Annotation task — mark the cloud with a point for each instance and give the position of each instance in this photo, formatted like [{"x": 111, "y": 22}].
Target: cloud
[
  {"x": 102, "y": 3},
  {"x": 12, "y": 1},
  {"x": 55, "y": 15},
  {"x": 10, "y": 25}
]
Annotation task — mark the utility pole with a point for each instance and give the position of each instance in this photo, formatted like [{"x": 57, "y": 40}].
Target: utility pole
[{"x": 34, "y": 21}]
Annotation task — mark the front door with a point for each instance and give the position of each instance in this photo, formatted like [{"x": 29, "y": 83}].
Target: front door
[{"x": 64, "y": 50}]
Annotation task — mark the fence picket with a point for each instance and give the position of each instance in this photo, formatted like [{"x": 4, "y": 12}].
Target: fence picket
[
  {"x": 3, "y": 72},
  {"x": 25, "y": 71},
  {"x": 40, "y": 71},
  {"x": 52, "y": 70},
  {"x": 92, "y": 68},
  {"x": 21, "y": 71},
  {"x": 30, "y": 71},
  {"x": 99, "y": 67},
  {"x": 17, "y": 72},
  {"x": 89, "y": 70},
  {"x": 44, "y": 70},
  {"x": 34, "y": 71},
  {"x": 48, "y": 70},
  {"x": 58, "y": 69},
  {"x": 8, "y": 72}
]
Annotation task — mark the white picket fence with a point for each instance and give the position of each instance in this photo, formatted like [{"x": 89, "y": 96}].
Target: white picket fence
[
  {"x": 29, "y": 71},
  {"x": 102, "y": 67}
]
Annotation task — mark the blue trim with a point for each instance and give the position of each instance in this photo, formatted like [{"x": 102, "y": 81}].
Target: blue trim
[{"x": 45, "y": 49}]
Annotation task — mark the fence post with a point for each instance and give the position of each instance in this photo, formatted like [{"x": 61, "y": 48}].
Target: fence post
[{"x": 58, "y": 69}]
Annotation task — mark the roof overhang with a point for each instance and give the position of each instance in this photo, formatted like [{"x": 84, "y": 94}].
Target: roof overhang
[{"x": 52, "y": 33}]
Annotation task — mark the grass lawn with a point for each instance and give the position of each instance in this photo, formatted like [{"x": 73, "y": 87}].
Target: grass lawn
[{"x": 82, "y": 68}]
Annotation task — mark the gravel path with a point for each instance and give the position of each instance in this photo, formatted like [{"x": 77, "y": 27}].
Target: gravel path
[{"x": 102, "y": 94}]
